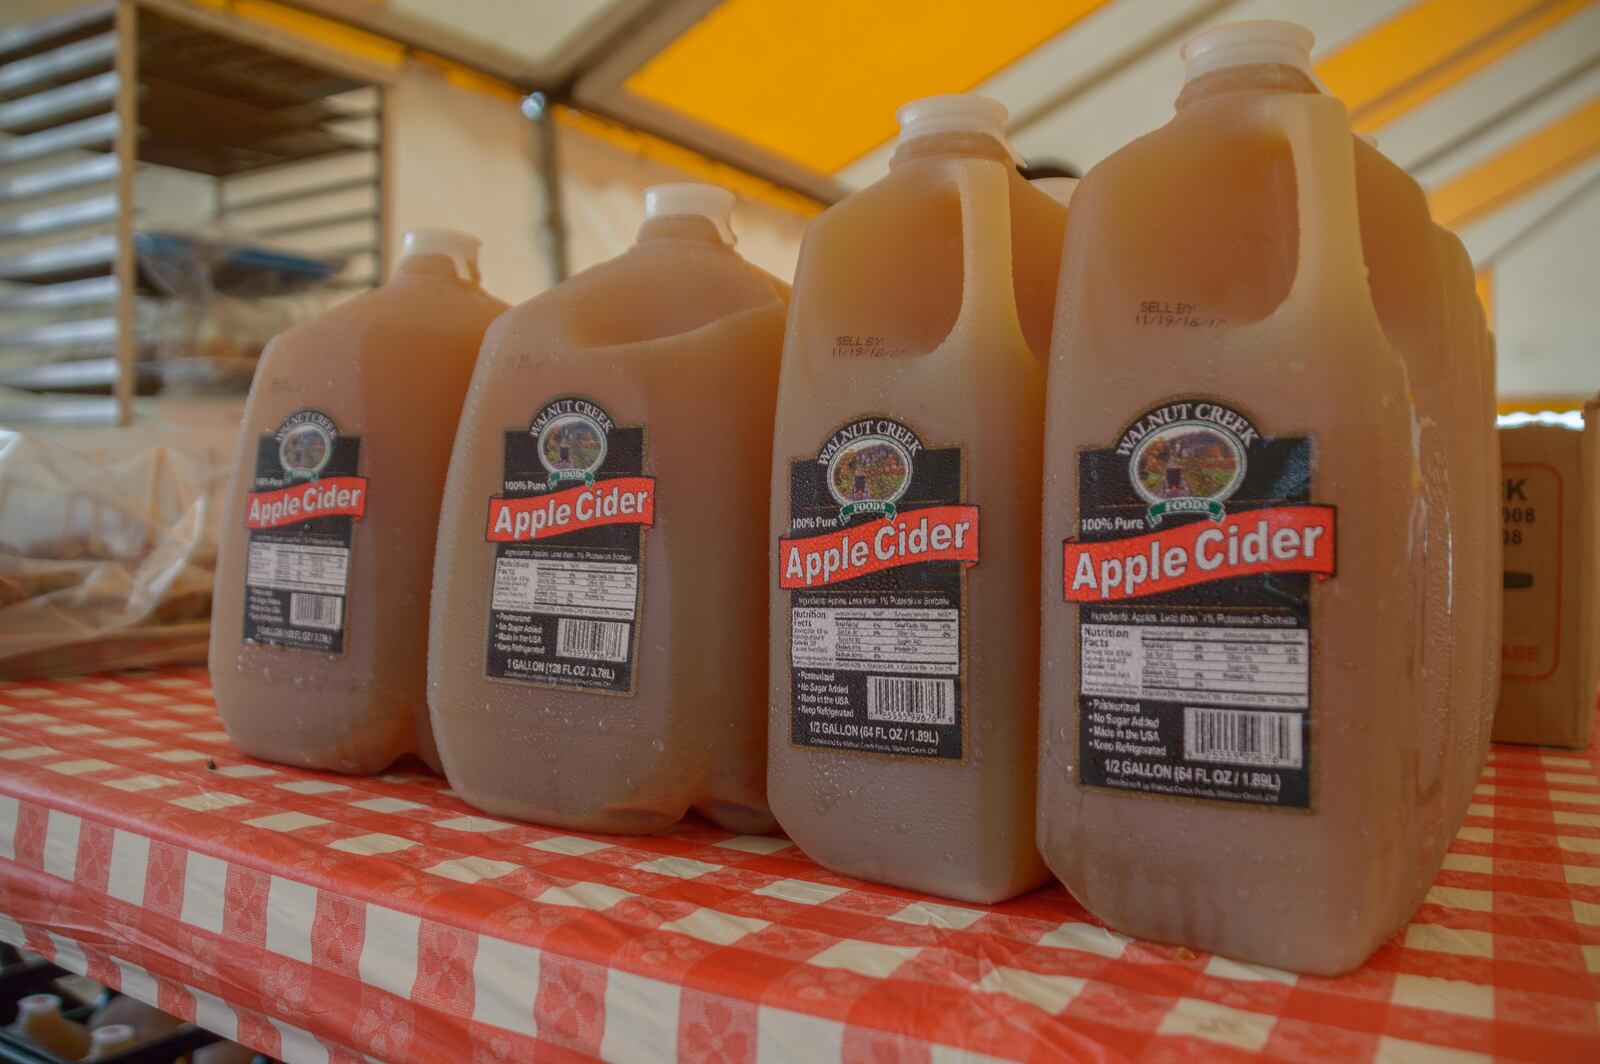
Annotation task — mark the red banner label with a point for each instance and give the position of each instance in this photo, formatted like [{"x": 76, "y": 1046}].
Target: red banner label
[
  {"x": 1284, "y": 539},
  {"x": 932, "y": 534},
  {"x": 619, "y": 501},
  {"x": 328, "y": 497}
]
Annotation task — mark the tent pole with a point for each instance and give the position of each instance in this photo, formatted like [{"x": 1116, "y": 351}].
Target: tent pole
[{"x": 537, "y": 108}]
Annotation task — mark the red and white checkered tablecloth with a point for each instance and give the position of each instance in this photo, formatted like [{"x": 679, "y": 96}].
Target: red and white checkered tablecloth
[{"x": 319, "y": 917}]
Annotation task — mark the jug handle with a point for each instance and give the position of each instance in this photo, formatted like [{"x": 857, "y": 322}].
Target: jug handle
[
  {"x": 989, "y": 297},
  {"x": 1330, "y": 280}
]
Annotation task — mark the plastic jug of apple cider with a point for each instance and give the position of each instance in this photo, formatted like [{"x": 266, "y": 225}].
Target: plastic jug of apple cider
[
  {"x": 110, "y": 1041},
  {"x": 320, "y": 619},
  {"x": 1422, "y": 285},
  {"x": 1259, "y": 720},
  {"x": 40, "y": 1021},
  {"x": 1423, "y": 290},
  {"x": 597, "y": 659},
  {"x": 905, "y": 507}
]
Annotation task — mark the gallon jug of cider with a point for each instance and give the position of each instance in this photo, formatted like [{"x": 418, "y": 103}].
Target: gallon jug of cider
[
  {"x": 1422, "y": 286},
  {"x": 320, "y": 618},
  {"x": 905, "y": 507},
  {"x": 39, "y": 1020},
  {"x": 1423, "y": 290},
  {"x": 110, "y": 1042},
  {"x": 1259, "y": 721},
  {"x": 596, "y": 659}
]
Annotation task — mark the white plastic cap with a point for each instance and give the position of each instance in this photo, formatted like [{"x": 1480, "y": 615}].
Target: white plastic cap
[
  {"x": 34, "y": 1004},
  {"x": 1059, "y": 189},
  {"x": 1263, "y": 41},
  {"x": 431, "y": 240},
  {"x": 711, "y": 202},
  {"x": 111, "y": 1036},
  {"x": 957, "y": 113}
]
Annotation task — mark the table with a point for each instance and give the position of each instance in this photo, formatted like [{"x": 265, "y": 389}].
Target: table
[{"x": 320, "y": 917}]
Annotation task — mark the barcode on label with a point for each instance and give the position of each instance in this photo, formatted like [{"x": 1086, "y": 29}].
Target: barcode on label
[
  {"x": 1244, "y": 737},
  {"x": 595, "y": 640},
  {"x": 908, "y": 701},
  {"x": 315, "y": 611}
]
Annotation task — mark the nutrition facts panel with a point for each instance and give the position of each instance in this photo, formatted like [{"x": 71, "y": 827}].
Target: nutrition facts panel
[
  {"x": 1198, "y": 665},
  {"x": 570, "y": 588},
  {"x": 907, "y": 640},
  {"x": 297, "y": 567}
]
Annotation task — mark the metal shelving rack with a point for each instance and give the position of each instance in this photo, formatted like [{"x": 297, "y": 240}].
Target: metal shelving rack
[{"x": 284, "y": 141}]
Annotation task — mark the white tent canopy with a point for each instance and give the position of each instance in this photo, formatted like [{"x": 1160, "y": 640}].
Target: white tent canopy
[{"x": 1493, "y": 105}]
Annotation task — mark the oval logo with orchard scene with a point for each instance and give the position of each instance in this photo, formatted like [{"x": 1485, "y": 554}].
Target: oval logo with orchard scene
[
  {"x": 868, "y": 475},
  {"x": 305, "y": 444},
  {"x": 1187, "y": 458},
  {"x": 571, "y": 447}
]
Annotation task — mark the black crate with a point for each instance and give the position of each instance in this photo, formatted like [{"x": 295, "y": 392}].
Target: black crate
[{"x": 21, "y": 976}]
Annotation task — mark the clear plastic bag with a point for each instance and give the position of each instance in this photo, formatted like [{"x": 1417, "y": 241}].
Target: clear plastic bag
[
  {"x": 225, "y": 298},
  {"x": 106, "y": 555}
]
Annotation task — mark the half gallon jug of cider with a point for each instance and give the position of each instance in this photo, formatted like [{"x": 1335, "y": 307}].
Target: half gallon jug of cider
[
  {"x": 39, "y": 1020},
  {"x": 597, "y": 655},
  {"x": 905, "y": 507},
  {"x": 1260, "y": 721},
  {"x": 319, "y": 627},
  {"x": 1423, "y": 290}
]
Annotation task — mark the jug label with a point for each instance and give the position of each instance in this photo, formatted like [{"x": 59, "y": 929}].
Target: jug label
[
  {"x": 1197, "y": 552},
  {"x": 874, "y": 565},
  {"x": 301, "y": 512},
  {"x": 568, "y": 534}
]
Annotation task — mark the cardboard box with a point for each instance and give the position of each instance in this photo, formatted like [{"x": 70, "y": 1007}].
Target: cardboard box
[{"x": 1550, "y": 649}]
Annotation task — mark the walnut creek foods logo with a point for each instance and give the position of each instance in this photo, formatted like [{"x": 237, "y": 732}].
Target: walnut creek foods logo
[
  {"x": 1187, "y": 458},
  {"x": 866, "y": 468},
  {"x": 869, "y": 466},
  {"x": 305, "y": 444},
  {"x": 1184, "y": 460},
  {"x": 572, "y": 437},
  {"x": 305, "y": 490}
]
